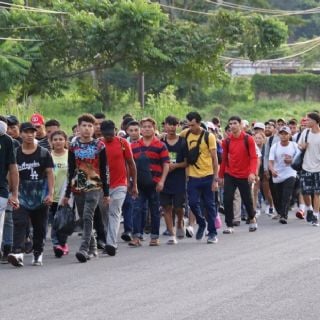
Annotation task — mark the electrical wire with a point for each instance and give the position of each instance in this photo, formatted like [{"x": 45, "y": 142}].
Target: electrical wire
[
  {"x": 6, "y": 5},
  {"x": 22, "y": 40},
  {"x": 29, "y": 27},
  {"x": 187, "y": 10},
  {"x": 275, "y": 59}
]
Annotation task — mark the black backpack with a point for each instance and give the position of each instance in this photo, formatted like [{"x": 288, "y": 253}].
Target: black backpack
[
  {"x": 144, "y": 175},
  {"x": 194, "y": 153}
]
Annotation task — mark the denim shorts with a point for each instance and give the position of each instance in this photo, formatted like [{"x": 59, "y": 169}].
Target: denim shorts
[{"x": 310, "y": 182}]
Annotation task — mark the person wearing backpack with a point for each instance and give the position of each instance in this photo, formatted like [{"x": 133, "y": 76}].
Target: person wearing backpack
[
  {"x": 202, "y": 175},
  {"x": 238, "y": 170},
  {"x": 121, "y": 167},
  {"x": 35, "y": 166},
  {"x": 152, "y": 162}
]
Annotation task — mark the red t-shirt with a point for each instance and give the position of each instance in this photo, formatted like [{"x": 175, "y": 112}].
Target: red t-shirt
[{"x": 118, "y": 151}]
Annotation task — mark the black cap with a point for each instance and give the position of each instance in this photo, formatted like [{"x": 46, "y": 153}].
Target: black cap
[
  {"x": 12, "y": 120},
  {"x": 27, "y": 126},
  {"x": 107, "y": 128}
]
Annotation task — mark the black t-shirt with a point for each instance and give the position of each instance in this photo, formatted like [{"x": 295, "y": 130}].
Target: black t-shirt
[
  {"x": 176, "y": 180},
  {"x": 33, "y": 187},
  {"x": 7, "y": 157}
]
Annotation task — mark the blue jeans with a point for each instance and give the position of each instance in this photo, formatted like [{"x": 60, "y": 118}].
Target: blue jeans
[
  {"x": 139, "y": 213},
  {"x": 201, "y": 188},
  {"x": 7, "y": 237},
  {"x": 127, "y": 212}
]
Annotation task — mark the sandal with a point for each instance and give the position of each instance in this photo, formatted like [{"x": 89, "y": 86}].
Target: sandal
[
  {"x": 253, "y": 226},
  {"x": 154, "y": 242},
  {"x": 135, "y": 243}
]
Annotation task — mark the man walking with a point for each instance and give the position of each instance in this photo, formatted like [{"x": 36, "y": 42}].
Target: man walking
[
  {"x": 87, "y": 176},
  {"x": 120, "y": 158},
  {"x": 238, "y": 170},
  {"x": 202, "y": 175}
]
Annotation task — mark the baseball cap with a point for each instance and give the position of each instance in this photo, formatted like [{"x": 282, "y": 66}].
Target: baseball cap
[
  {"x": 12, "y": 120},
  {"x": 285, "y": 129},
  {"x": 27, "y": 126},
  {"x": 107, "y": 128},
  {"x": 259, "y": 125},
  {"x": 37, "y": 119},
  {"x": 210, "y": 125}
]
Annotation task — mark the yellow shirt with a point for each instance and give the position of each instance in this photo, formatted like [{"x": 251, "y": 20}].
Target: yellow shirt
[
  {"x": 60, "y": 175},
  {"x": 204, "y": 162}
]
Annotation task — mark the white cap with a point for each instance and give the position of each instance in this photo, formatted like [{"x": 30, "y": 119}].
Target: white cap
[
  {"x": 210, "y": 125},
  {"x": 245, "y": 123},
  {"x": 3, "y": 128},
  {"x": 259, "y": 125}
]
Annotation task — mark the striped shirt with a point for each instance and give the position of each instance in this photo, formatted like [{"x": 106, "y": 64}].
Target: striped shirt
[{"x": 157, "y": 153}]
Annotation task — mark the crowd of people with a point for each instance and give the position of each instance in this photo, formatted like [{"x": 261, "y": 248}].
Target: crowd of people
[{"x": 189, "y": 171}]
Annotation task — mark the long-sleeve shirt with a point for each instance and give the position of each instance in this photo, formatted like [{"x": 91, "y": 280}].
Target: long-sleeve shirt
[
  {"x": 238, "y": 159},
  {"x": 87, "y": 167}
]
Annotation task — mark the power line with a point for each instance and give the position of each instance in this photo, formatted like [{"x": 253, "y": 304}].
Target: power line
[
  {"x": 187, "y": 10},
  {"x": 275, "y": 12},
  {"x": 6, "y": 5},
  {"x": 22, "y": 40},
  {"x": 29, "y": 27},
  {"x": 276, "y": 59}
]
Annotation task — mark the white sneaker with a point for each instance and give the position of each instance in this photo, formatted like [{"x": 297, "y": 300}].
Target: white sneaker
[
  {"x": 258, "y": 213},
  {"x": 275, "y": 216},
  {"x": 266, "y": 210},
  {"x": 172, "y": 240},
  {"x": 16, "y": 259},
  {"x": 189, "y": 231},
  {"x": 37, "y": 260}
]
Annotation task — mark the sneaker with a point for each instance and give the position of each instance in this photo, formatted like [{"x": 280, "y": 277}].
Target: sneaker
[
  {"x": 93, "y": 253},
  {"x": 82, "y": 256},
  {"x": 5, "y": 253},
  {"x": 65, "y": 249},
  {"x": 126, "y": 236},
  {"x": 110, "y": 250},
  {"x": 315, "y": 221},
  {"x": 310, "y": 216},
  {"x": 189, "y": 232},
  {"x": 180, "y": 233},
  {"x": 154, "y": 243},
  {"x": 300, "y": 214},
  {"x": 271, "y": 210},
  {"x": 58, "y": 251},
  {"x": 236, "y": 223},
  {"x": 172, "y": 240},
  {"x": 221, "y": 210},
  {"x": 16, "y": 259},
  {"x": 37, "y": 259},
  {"x": 228, "y": 230},
  {"x": 283, "y": 220},
  {"x": 275, "y": 216},
  {"x": 253, "y": 227},
  {"x": 212, "y": 239},
  {"x": 258, "y": 213},
  {"x": 200, "y": 232},
  {"x": 244, "y": 218}
]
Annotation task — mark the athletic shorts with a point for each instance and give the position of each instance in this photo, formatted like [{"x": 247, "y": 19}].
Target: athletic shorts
[
  {"x": 177, "y": 201},
  {"x": 309, "y": 182}
]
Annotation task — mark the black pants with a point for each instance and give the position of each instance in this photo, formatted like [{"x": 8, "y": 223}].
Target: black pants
[
  {"x": 38, "y": 218},
  {"x": 230, "y": 186},
  {"x": 283, "y": 196}
]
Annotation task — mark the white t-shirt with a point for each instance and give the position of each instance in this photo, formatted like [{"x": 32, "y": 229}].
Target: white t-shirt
[
  {"x": 311, "y": 160},
  {"x": 277, "y": 154}
]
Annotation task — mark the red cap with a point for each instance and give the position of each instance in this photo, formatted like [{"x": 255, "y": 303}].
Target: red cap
[{"x": 37, "y": 119}]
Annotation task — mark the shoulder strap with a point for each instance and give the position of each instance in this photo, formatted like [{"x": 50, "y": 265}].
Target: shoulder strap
[
  {"x": 246, "y": 143},
  {"x": 206, "y": 138},
  {"x": 200, "y": 138},
  {"x": 306, "y": 138}
]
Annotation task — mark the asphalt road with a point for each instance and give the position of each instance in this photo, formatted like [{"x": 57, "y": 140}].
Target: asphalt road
[{"x": 269, "y": 274}]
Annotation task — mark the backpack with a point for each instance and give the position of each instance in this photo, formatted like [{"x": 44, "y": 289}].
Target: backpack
[
  {"x": 144, "y": 175},
  {"x": 194, "y": 153}
]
